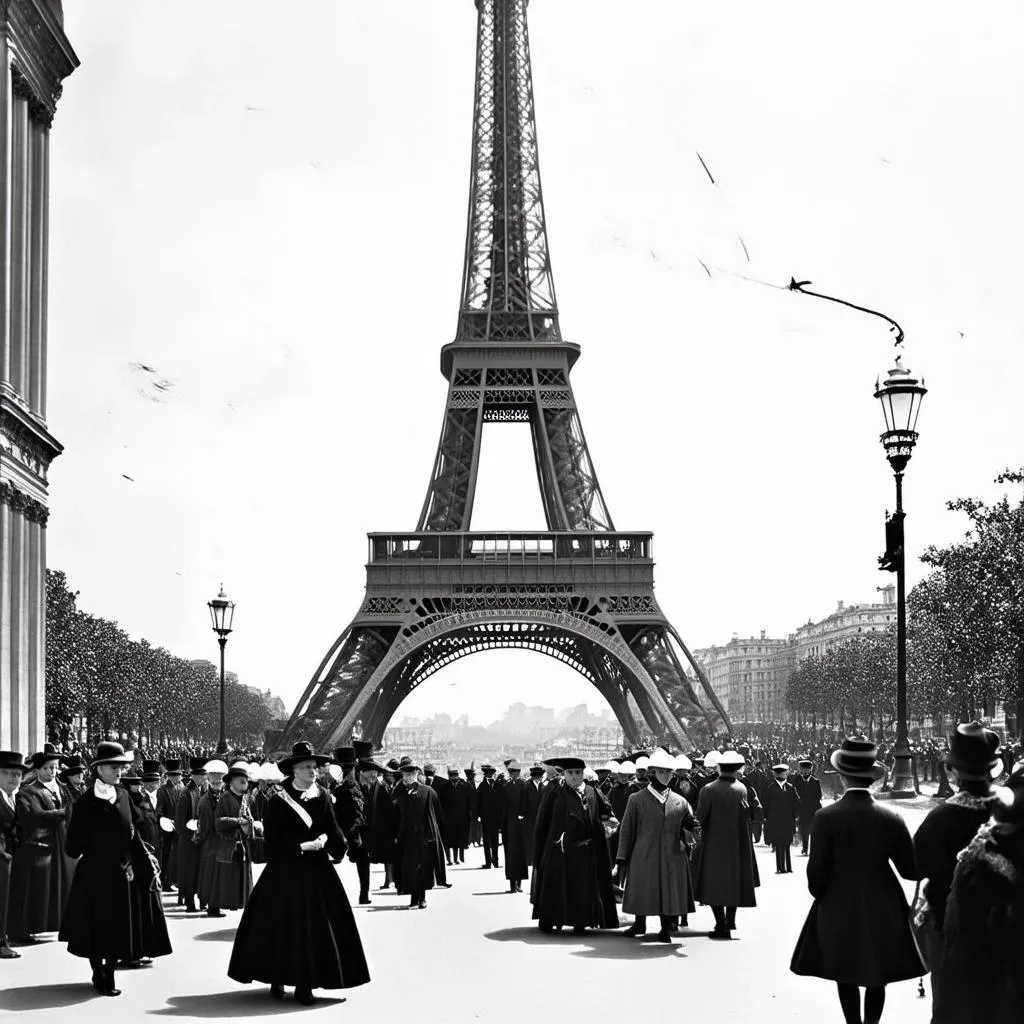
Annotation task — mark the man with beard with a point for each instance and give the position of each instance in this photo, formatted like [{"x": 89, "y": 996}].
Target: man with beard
[
  {"x": 41, "y": 871},
  {"x": 167, "y": 797},
  {"x": 456, "y": 807},
  {"x": 513, "y": 828},
  {"x": 808, "y": 788},
  {"x": 488, "y": 813},
  {"x": 572, "y": 874},
  {"x": 186, "y": 824},
  {"x": 418, "y": 842}
]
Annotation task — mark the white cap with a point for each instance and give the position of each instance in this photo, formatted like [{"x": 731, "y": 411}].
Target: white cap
[
  {"x": 711, "y": 759},
  {"x": 642, "y": 762},
  {"x": 626, "y": 768},
  {"x": 661, "y": 759},
  {"x": 612, "y": 766},
  {"x": 589, "y": 775},
  {"x": 682, "y": 761},
  {"x": 269, "y": 772},
  {"x": 215, "y": 766},
  {"x": 334, "y": 770}
]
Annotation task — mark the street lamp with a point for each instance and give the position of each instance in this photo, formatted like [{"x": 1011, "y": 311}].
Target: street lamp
[
  {"x": 222, "y": 614},
  {"x": 900, "y": 395}
]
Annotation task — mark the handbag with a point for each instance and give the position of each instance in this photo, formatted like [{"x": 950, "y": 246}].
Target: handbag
[{"x": 239, "y": 855}]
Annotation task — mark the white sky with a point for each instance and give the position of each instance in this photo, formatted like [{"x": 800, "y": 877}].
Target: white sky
[{"x": 267, "y": 206}]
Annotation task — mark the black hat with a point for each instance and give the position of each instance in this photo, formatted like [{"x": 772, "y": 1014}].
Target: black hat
[
  {"x": 131, "y": 779},
  {"x": 197, "y": 766},
  {"x": 109, "y": 752},
  {"x": 536, "y": 769},
  {"x": 236, "y": 771},
  {"x": 453, "y": 769},
  {"x": 172, "y": 766},
  {"x": 469, "y": 772},
  {"x": 302, "y": 751},
  {"x": 410, "y": 767},
  {"x": 364, "y": 755},
  {"x": 393, "y": 765},
  {"x": 857, "y": 756},
  {"x": 72, "y": 765},
  {"x": 151, "y": 770},
  {"x": 566, "y": 763},
  {"x": 345, "y": 757},
  {"x": 972, "y": 750},
  {"x": 508, "y": 761},
  {"x": 429, "y": 769},
  {"x": 488, "y": 769},
  {"x": 513, "y": 766},
  {"x": 44, "y": 756},
  {"x": 12, "y": 759}
]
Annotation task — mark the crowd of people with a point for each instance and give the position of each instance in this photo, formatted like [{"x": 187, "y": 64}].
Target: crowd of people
[{"x": 90, "y": 846}]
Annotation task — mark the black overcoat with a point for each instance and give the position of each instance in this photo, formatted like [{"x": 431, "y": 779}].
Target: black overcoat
[
  {"x": 809, "y": 791},
  {"x": 149, "y": 927},
  {"x": 531, "y": 802},
  {"x": 99, "y": 919},
  {"x": 858, "y": 929},
  {"x": 572, "y": 874},
  {"x": 513, "y": 829},
  {"x": 488, "y": 807},
  {"x": 188, "y": 852},
  {"x": 384, "y": 816},
  {"x": 167, "y": 799},
  {"x": 298, "y": 927},
  {"x": 232, "y": 880},
  {"x": 781, "y": 812},
  {"x": 419, "y": 849},
  {"x": 724, "y": 867},
  {"x": 206, "y": 839},
  {"x": 456, "y": 806}
]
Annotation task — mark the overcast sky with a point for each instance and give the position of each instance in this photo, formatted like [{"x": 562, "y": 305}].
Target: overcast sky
[{"x": 266, "y": 206}]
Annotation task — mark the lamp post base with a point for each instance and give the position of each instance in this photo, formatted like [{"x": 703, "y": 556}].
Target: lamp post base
[
  {"x": 902, "y": 782},
  {"x": 222, "y": 747}
]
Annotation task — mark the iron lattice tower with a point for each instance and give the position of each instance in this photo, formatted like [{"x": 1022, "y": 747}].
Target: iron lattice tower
[{"x": 579, "y": 592}]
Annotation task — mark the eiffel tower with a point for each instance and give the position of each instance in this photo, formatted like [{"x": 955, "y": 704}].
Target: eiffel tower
[{"x": 581, "y": 591}]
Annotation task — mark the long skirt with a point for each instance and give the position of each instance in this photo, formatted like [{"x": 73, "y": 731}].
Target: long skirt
[
  {"x": 298, "y": 929},
  {"x": 149, "y": 936}
]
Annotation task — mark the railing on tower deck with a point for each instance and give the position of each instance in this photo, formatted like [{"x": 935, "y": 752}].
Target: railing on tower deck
[{"x": 509, "y": 548}]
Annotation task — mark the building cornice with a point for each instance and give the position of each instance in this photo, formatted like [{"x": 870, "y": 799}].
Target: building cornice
[
  {"x": 27, "y": 431},
  {"x": 32, "y": 510},
  {"x": 41, "y": 55}
]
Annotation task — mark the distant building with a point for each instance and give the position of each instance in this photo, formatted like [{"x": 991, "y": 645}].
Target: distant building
[{"x": 815, "y": 638}]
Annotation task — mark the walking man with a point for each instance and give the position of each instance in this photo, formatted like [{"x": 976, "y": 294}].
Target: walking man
[
  {"x": 488, "y": 813},
  {"x": 808, "y": 788},
  {"x": 781, "y": 811}
]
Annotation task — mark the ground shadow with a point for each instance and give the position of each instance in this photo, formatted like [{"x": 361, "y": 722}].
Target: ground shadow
[
  {"x": 497, "y": 892},
  {"x": 609, "y": 945},
  {"x": 47, "y": 997},
  {"x": 382, "y": 910},
  {"x": 224, "y": 935},
  {"x": 248, "y": 1002}
]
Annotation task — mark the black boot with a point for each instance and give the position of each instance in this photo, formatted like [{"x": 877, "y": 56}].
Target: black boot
[
  {"x": 277, "y": 991},
  {"x": 110, "y": 990},
  {"x": 305, "y": 996},
  {"x": 99, "y": 976}
]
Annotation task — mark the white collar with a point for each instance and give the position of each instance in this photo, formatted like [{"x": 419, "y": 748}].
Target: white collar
[
  {"x": 781, "y": 783},
  {"x": 51, "y": 785},
  {"x": 152, "y": 797},
  {"x": 9, "y": 800},
  {"x": 104, "y": 792},
  {"x": 661, "y": 797},
  {"x": 310, "y": 794}
]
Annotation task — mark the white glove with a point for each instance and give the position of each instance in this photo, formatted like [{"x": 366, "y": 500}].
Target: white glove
[
  {"x": 257, "y": 828},
  {"x": 192, "y": 825},
  {"x": 166, "y": 824}
]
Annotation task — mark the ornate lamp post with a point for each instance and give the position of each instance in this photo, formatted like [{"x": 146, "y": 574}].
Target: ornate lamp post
[
  {"x": 222, "y": 614},
  {"x": 900, "y": 395}
]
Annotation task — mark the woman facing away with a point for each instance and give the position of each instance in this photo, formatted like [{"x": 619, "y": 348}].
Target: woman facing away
[
  {"x": 857, "y": 933},
  {"x": 298, "y": 927}
]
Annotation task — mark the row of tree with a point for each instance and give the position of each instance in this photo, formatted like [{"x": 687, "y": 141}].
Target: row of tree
[
  {"x": 99, "y": 679},
  {"x": 965, "y": 636}
]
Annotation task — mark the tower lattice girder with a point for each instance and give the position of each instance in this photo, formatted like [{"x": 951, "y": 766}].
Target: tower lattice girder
[{"x": 579, "y": 592}]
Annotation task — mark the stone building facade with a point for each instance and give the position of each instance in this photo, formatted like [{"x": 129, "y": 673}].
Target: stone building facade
[{"x": 36, "y": 57}]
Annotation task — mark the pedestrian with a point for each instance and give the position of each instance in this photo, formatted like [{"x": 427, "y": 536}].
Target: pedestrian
[
  {"x": 857, "y": 932},
  {"x": 475, "y": 833},
  {"x": 980, "y": 956},
  {"x": 206, "y": 836},
  {"x": 572, "y": 873},
  {"x": 488, "y": 813},
  {"x": 808, "y": 788},
  {"x": 367, "y": 781},
  {"x": 725, "y": 869},
  {"x": 456, "y": 806},
  {"x": 167, "y": 799},
  {"x": 104, "y": 834},
  {"x": 72, "y": 779},
  {"x": 946, "y": 832},
  {"x": 12, "y": 770},
  {"x": 384, "y": 816},
  {"x": 418, "y": 843},
  {"x": 233, "y": 827},
  {"x": 268, "y": 777},
  {"x": 534, "y": 791},
  {"x": 188, "y": 852},
  {"x": 654, "y": 834},
  {"x": 298, "y": 927},
  {"x": 781, "y": 813},
  {"x": 513, "y": 828},
  {"x": 42, "y": 869}
]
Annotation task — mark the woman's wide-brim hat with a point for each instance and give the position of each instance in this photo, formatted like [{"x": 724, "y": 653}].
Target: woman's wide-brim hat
[
  {"x": 109, "y": 752},
  {"x": 12, "y": 760},
  {"x": 857, "y": 756},
  {"x": 302, "y": 751},
  {"x": 972, "y": 751}
]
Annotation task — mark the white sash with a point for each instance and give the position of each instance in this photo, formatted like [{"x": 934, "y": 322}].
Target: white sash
[{"x": 293, "y": 804}]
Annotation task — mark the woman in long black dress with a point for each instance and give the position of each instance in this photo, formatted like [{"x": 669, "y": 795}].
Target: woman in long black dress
[
  {"x": 97, "y": 921},
  {"x": 298, "y": 927}
]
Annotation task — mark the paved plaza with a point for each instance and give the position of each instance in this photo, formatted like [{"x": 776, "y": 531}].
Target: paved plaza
[{"x": 475, "y": 955}]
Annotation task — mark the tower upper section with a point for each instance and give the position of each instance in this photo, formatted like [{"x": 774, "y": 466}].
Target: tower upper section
[{"x": 508, "y": 293}]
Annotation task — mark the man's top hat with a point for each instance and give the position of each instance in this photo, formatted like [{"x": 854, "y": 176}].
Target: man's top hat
[
  {"x": 345, "y": 757},
  {"x": 109, "y": 752},
  {"x": 197, "y": 766},
  {"x": 172, "y": 766},
  {"x": 151, "y": 770},
  {"x": 972, "y": 751},
  {"x": 13, "y": 760},
  {"x": 857, "y": 756}
]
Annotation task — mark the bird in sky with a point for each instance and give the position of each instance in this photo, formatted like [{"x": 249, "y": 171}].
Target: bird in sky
[{"x": 127, "y": 477}]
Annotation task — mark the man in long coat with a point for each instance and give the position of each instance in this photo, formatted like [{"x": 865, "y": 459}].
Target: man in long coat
[
  {"x": 12, "y": 770},
  {"x": 513, "y": 827},
  {"x": 488, "y": 813},
  {"x": 808, "y": 788},
  {"x": 380, "y": 804},
  {"x": 475, "y": 834},
  {"x": 654, "y": 835},
  {"x": 41, "y": 871},
  {"x": 757, "y": 778},
  {"x": 531, "y": 802},
  {"x": 167, "y": 798},
  {"x": 419, "y": 843},
  {"x": 725, "y": 870},
  {"x": 456, "y": 805},
  {"x": 188, "y": 854},
  {"x": 781, "y": 812},
  {"x": 206, "y": 836},
  {"x": 572, "y": 874}
]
